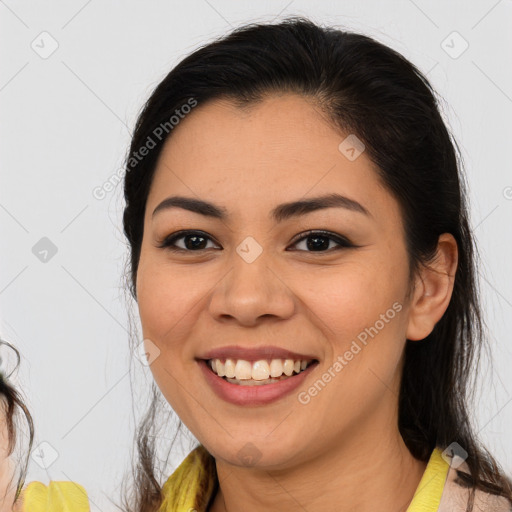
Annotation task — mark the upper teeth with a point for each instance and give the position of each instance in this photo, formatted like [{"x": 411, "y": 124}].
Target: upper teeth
[{"x": 259, "y": 370}]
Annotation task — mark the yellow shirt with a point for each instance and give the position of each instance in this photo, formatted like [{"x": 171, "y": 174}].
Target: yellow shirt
[{"x": 192, "y": 486}]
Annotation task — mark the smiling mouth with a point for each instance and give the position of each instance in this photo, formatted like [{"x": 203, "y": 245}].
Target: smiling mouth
[{"x": 257, "y": 373}]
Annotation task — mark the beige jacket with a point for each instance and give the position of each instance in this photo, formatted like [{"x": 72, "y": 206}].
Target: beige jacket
[{"x": 455, "y": 497}]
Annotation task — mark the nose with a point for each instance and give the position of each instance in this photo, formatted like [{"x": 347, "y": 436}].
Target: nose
[{"x": 252, "y": 291}]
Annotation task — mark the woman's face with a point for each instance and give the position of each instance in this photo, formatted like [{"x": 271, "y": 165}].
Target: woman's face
[{"x": 251, "y": 282}]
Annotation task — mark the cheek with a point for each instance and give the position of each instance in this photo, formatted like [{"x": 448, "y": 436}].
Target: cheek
[
  {"x": 360, "y": 312},
  {"x": 166, "y": 308},
  {"x": 171, "y": 301},
  {"x": 361, "y": 316},
  {"x": 352, "y": 297},
  {"x": 164, "y": 298}
]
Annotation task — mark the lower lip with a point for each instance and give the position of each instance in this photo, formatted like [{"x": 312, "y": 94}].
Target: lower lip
[{"x": 253, "y": 395}]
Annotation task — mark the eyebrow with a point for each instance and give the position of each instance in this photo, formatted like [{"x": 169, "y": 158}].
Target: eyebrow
[{"x": 278, "y": 214}]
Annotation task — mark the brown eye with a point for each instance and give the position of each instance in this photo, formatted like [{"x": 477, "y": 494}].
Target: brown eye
[
  {"x": 318, "y": 241},
  {"x": 193, "y": 241}
]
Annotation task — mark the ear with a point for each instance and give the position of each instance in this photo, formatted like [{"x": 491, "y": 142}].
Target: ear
[{"x": 433, "y": 289}]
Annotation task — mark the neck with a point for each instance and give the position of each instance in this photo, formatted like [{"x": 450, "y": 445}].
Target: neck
[{"x": 372, "y": 471}]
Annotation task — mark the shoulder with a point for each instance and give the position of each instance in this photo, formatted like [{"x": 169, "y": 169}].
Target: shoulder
[
  {"x": 37, "y": 497},
  {"x": 456, "y": 495}
]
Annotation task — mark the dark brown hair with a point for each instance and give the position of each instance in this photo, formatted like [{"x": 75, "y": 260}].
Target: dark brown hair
[{"x": 367, "y": 89}]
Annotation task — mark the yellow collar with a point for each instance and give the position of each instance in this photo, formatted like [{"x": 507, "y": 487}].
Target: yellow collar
[
  {"x": 192, "y": 484},
  {"x": 427, "y": 496}
]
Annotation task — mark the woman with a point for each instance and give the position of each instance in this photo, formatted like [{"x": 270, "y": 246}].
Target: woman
[
  {"x": 304, "y": 270},
  {"x": 244, "y": 263}
]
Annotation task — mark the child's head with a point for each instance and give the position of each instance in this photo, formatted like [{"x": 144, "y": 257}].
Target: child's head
[{"x": 11, "y": 403}]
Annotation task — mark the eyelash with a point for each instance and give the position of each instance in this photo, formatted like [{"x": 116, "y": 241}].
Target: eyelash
[{"x": 168, "y": 242}]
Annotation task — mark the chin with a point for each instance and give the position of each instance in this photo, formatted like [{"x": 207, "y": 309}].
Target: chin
[{"x": 256, "y": 452}]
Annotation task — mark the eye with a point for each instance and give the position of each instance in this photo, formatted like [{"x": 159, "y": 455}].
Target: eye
[
  {"x": 321, "y": 240},
  {"x": 195, "y": 241}
]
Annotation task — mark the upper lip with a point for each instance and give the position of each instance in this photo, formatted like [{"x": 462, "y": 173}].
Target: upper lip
[{"x": 254, "y": 354}]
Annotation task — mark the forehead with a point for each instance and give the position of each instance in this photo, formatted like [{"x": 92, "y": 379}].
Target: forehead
[{"x": 277, "y": 150}]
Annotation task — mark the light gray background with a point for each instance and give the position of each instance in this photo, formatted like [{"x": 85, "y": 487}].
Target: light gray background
[{"x": 65, "y": 125}]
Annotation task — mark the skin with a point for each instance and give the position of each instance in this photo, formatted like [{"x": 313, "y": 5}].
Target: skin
[{"x": 344, "y": 446}]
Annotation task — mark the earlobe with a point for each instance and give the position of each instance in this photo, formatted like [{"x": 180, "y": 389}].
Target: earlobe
[{"x": 433, "y": 289}]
